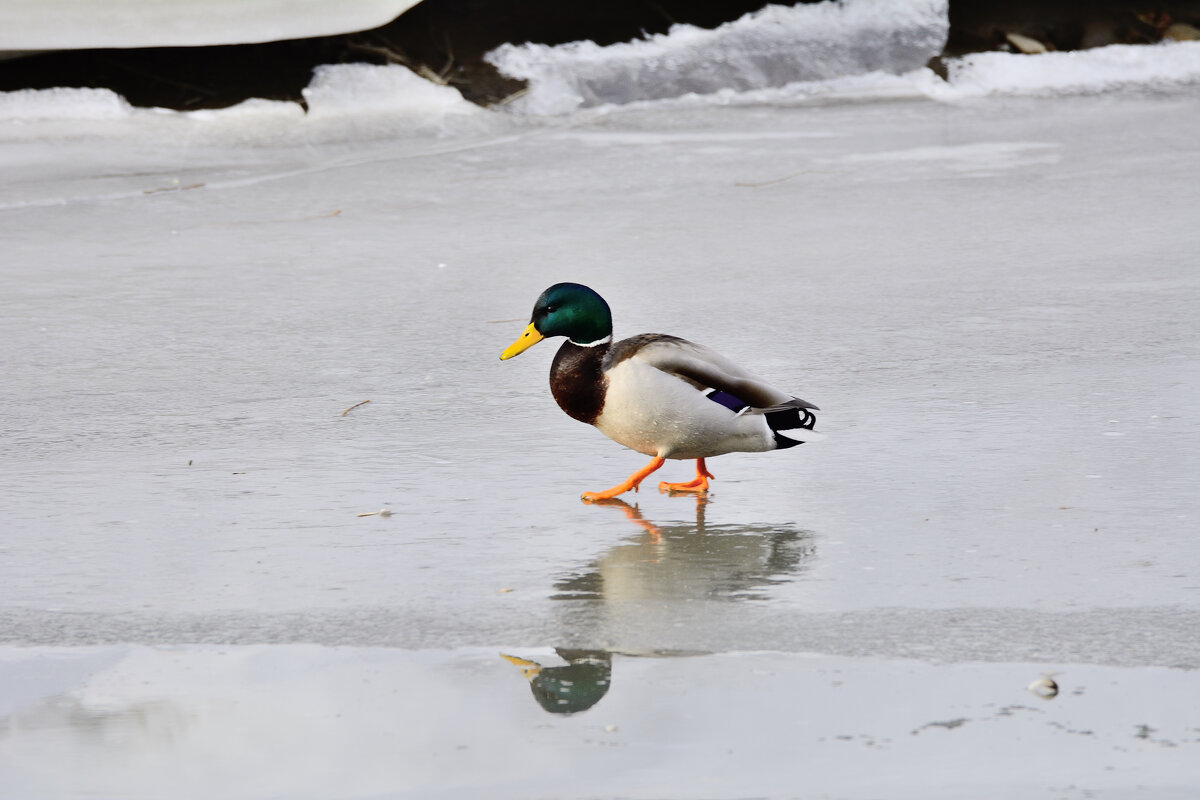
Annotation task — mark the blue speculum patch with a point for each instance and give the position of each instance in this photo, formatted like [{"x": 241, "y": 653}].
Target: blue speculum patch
[{"x": 726, "y": 399}]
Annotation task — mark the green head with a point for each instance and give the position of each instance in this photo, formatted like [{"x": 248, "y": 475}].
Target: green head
[
  {"x": 565, "y": 309},
  {"x": 567, "y": 690}
]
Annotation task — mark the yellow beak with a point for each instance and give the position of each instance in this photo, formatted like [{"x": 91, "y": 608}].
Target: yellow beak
[
  {"x": 530, "y": 669},
  {"x": 525, "y": 341}
]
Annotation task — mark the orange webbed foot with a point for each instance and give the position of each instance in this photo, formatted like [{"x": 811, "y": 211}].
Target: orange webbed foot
[
  {"x": 630, "y": 483},
  {"x": 697, "y": 485}
]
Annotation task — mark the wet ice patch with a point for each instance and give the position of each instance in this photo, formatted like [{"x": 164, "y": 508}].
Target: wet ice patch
[
  {"x": 967, "y": 159},
  {"x": 772, "y": 47},
  {"x": 673, "y": 138},
  {"x": 460, "y": 723}
]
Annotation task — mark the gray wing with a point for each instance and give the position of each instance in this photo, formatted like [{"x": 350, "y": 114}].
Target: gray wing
[{"x": 705, "y": 368}]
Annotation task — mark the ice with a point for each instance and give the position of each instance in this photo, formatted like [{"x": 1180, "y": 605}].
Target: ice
[
  {"x": 978, "y": 286},
  {"x": 78, "y": 24},
  {"x": 768, "y": 48},
  {"x": 301, "y": 721}
]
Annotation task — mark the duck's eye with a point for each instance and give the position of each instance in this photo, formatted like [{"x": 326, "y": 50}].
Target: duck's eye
[{"x": 551, "y": 309}]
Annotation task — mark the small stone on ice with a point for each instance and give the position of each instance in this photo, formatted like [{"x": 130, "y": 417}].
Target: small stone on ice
[
  {"x": 610, "y": 728},
  {"x": 1045, "y": 687},
  {"x": 385, "y": 512}
]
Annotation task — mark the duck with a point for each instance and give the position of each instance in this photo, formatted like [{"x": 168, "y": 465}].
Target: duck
[{"x": 657, "y": 394}]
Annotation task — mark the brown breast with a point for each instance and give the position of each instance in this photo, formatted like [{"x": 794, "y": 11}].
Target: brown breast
[{"x": 577, "y": 380}]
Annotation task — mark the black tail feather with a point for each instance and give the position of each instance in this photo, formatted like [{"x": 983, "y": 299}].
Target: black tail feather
[{"x": 790, "y": 418}]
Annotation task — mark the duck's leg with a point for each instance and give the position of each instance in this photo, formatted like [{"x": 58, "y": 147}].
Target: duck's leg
[
  {"x": 630, "y": 483},
  {"x": 697, "y": 484}
]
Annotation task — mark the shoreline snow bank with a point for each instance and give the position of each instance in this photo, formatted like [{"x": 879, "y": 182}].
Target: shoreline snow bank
[{"x": 772, "y": 47}]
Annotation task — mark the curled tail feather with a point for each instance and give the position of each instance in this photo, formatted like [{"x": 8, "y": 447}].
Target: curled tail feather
[{"x": 792, "y": 416}]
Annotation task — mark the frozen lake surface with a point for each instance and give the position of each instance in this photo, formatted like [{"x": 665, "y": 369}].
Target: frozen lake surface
[{"x": 992, "y": 299}]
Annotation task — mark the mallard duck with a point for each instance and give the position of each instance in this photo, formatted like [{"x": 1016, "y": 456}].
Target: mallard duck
[{"x": 660, "y": 395}]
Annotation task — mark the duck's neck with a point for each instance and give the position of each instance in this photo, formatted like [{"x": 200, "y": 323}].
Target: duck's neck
[{"x": 577, "y": 379}]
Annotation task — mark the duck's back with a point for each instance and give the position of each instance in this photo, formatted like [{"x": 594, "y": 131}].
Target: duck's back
[{"x": 700, "y": 366}]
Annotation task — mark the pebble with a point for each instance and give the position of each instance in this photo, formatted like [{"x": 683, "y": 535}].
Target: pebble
[
  {"x": 1182, "y": 32},
  {"x": 1044, "y": 687},
  {"x": 1025, "y": 44}
]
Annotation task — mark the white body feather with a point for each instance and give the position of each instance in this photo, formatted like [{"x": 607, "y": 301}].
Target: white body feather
[{"x": 655, "y": 404}]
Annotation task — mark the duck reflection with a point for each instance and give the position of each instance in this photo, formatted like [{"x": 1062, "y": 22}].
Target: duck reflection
[
  {"x": 647, "y": 597},
  {"x": 137, "y": 724},
  {"x": 690, "y": 561},
  {"x": 572, "y": 688}
]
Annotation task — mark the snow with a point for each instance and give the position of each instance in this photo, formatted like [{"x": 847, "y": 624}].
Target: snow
[
  {"x": 345, "y": 101},
  {"x": 775, "y": 46},
  {"x": 988, "y": 286},
  {"x": 855, "y": 50},
  {"x": 1170, "y": 64},
  {"x": 63, "y": 103},
  {"x": 27, "y": 25},
  {"x": 342, "y": 89}
]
